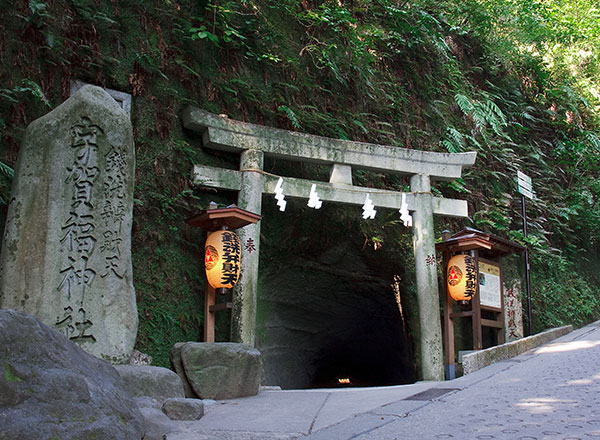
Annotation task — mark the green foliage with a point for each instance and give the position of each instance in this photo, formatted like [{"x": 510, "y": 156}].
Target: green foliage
[
  {"x": 27, "y": 87},
  {"x": 516, "y": 81},
  {"x": 563, "y": 296}
]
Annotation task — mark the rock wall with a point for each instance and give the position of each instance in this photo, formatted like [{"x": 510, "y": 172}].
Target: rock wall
[{"x": 330, "y": 316}]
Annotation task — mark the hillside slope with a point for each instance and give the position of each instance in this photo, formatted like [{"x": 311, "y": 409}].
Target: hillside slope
[{"x": 522, "y": 92}]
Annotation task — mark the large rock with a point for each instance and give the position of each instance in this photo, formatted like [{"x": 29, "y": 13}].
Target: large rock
[
  {"x": 66, "y": 255},
  {"x": 222, "y": 370},
  {"x": 157, "y": 382},
  {"x": 175, "y": 357},
  {"x": 51, "y": 389}
]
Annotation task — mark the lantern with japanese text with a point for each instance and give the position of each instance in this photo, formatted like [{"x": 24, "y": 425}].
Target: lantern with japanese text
[
  {"x": 222, "y": 255},
  {"x": 462, "y": 277}
]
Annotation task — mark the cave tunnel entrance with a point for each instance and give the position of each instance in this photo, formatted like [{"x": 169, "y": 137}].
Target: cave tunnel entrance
[
  {"x": 260, "y": 146},
  {"x": 328, "y": 313}
]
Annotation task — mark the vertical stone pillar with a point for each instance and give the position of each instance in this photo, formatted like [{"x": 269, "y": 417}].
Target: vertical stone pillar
[
  {"x": 243, "y": 316},
  {"x": 66, "y": 255},
  {"x": 513, "y": 312},
  {"x": 432, "y": 359}
]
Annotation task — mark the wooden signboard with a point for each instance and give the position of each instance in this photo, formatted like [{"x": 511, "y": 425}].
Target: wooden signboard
[{"x": 490, "y": 286}]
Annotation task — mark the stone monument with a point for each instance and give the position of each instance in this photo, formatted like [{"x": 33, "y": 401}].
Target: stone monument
[
  {"x": 66, "y": 253},
  {"x": 513, "y": 312}
]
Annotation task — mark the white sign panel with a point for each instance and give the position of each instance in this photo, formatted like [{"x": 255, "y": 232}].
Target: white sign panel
[
  {"x": 490, "y": 291},
  {"x": 525, "y": 185}
]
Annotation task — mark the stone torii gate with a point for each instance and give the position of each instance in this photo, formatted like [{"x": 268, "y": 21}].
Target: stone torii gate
[{"x": 254, "y": 142}]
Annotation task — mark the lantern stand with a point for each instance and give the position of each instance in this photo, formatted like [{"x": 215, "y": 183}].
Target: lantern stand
[
  {"x": 214, "y": 219},
  {"x": 487, "y": 249}
]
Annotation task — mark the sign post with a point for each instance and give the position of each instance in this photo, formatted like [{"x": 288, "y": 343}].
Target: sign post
[{"x": 525, "y": 188}]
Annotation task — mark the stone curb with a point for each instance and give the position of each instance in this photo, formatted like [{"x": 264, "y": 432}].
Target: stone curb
[{"x": 482, "y": 358}]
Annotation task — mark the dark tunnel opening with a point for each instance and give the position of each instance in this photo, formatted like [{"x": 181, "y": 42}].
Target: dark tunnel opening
[
  {"x": 320, "y": 327},
  {"x": 331, "y": 310},
  {"x": 373, "y": 352}
]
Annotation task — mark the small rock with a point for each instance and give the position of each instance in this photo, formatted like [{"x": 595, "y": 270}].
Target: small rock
[
  {"x": 147, "y": 402},
  {"x": 183, "y": 409},
  {"x": 139, "y": 358},
  {"x": 157, "y": 424}
]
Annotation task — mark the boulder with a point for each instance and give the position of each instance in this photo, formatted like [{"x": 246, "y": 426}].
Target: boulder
[
  {"x": 52, "y": 389},
  {"x": 145, "y": 380},
  {"x": 222, "y": 370},
  {"x": 175, "y": 356},
  {"x": 183, "y": 409}
]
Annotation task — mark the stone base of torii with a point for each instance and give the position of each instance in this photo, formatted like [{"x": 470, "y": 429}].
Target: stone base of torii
[{"x": 254, "y": 142}]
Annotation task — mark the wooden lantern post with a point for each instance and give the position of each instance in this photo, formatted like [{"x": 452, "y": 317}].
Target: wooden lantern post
[
  {"x": 211, "y": 220},
  {"x": 487, "y": 250}
]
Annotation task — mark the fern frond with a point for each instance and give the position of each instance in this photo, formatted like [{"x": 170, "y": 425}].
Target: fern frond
[
  {"x": 464, "y": 103},
  {"x": 493, "y": 109},
  {"x": 593, "y": 140},
  {"x": 290, "y": 115},
  {"x": 7, "y": 170},
  {"x": 361, "y": 126}
]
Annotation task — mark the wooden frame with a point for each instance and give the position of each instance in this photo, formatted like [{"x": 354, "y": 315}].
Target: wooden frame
[
  {"x": 213, "y": 219},
  {"x": 475, "y": 243}
]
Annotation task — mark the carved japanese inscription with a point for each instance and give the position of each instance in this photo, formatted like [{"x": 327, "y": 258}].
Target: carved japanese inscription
[{"x": 66, "y": 254}]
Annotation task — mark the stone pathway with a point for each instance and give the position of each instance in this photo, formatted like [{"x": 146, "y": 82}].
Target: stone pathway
[{"x": 552, "y": 392}]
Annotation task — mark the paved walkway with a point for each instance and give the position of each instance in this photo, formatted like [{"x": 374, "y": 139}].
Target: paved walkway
[{"x": 552, "y": 392}]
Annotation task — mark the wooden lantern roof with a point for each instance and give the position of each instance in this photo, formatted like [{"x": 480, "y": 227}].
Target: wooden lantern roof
[
  {"x": 231, "y": 217},
  {"x": 489, "y": 245}
]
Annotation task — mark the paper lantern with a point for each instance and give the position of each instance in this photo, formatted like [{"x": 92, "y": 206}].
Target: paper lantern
[
  {"x": 222, "y": 256},
  {"x": 462, "y": 277}
]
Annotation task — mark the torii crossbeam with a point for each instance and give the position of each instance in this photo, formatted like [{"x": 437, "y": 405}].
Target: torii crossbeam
[{"x": 254, "y": 142}]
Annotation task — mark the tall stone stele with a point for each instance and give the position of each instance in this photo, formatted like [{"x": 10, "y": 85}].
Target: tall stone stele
[{"x": 66, "y": 253}]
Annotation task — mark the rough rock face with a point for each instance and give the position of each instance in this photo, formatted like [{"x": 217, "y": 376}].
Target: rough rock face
[
  {"x": 183, "y": 409},
  {"x": 175, "y": 357},
  {"x": 51, "y": 389},
  {"x": 145, "y": 380},
  {"x": 223, "y": 370},
  {"x": 66, "y": 255},
  {"x": 333, "y": 314}
]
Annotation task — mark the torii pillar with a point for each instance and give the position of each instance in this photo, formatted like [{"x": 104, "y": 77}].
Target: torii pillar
[
  {"x": 243, "y": 313},
  {"x": 432, "y": 351}
]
